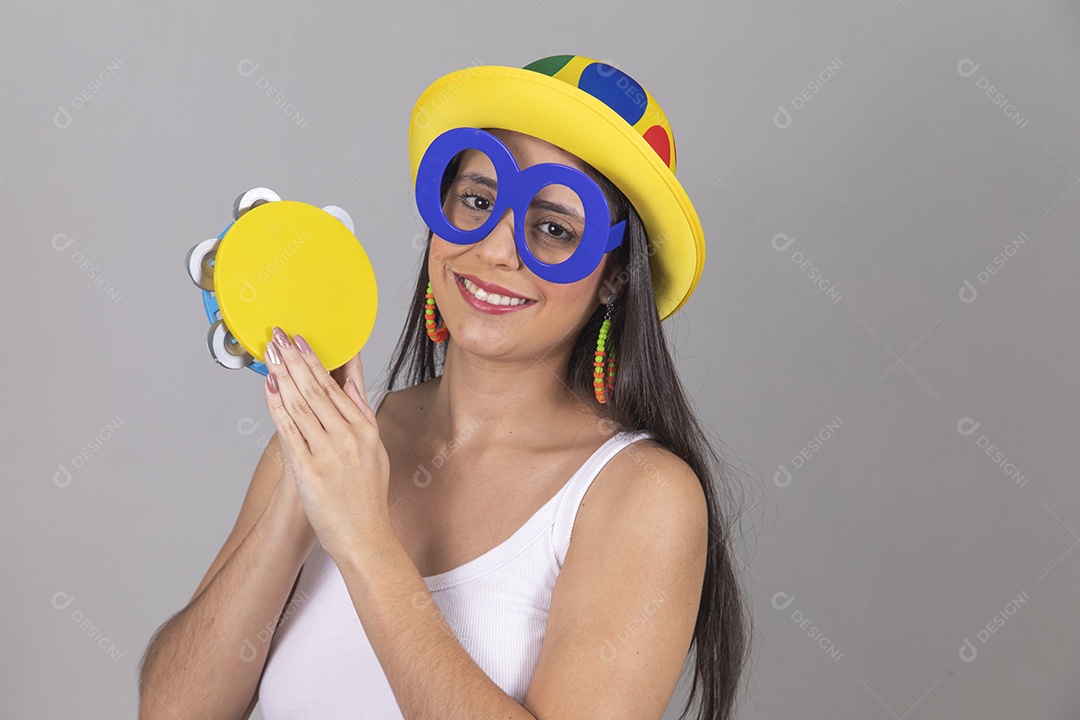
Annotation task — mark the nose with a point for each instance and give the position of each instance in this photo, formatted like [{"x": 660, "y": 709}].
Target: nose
[{"x": 499, "y": 247}]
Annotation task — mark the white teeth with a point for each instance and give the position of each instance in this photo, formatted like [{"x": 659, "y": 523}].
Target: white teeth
[{"x": 491, "y": 298}]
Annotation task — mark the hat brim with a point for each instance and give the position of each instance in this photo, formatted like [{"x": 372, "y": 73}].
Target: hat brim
[{"x": 536, "y": 104}]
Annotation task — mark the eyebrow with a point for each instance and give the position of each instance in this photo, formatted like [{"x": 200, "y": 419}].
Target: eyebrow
[
  {"x": 556, "y": 207},
  {"x": 478, "y": 178},
  {"x": 493, "y": 185}
]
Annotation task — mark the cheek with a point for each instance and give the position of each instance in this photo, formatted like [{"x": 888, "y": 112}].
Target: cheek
[
  {"x": 589, "y": 289},
  {"x": 585, "y": 292},
  {"x": 575, "y": 295},
  {"x": 440, "y": 252}
]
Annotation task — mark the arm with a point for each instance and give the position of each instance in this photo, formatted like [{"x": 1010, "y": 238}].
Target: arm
[
  {"x": 638, "y": 552},
  {"x": 625, "y": 603},
  {"x": 206, "y": 661}
]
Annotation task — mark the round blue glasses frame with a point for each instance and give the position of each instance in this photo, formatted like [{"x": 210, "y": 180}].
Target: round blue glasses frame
[{"x": 517, "y": 188}]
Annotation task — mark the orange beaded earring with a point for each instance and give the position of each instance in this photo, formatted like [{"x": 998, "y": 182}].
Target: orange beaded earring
[
  {"x": 437, "y": 336},
  {"x": 598, "y": 358}
]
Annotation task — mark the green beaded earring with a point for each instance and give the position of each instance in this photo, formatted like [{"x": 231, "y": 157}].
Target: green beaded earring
[
  {"x": 598, "y": 358},
  {"x": 437, "y": 336}
]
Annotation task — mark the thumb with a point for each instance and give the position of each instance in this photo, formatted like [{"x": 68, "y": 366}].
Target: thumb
[
  {"x": 354, "y": 393},
  {"x": 354, "y": 370}
]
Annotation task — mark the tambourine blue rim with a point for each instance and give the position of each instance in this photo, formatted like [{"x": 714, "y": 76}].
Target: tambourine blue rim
[
  {"x": 213, "y": 314},
  {"x": 516, "y": 188}
]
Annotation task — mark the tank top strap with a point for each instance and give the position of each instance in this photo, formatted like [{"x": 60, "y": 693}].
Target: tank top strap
[{"x": 576, "y": 487}]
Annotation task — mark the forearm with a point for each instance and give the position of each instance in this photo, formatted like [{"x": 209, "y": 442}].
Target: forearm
[
  {"x": 430, "y": 673},
  {"x": 207, "y": 660}
]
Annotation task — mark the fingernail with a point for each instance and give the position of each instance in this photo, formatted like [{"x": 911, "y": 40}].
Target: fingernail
[
  {"x": 302, "y": 344},
  {"x": 272, "y": 353},
  {"x": 281, "y": 338},
  {"x": 272, "y": 382}
]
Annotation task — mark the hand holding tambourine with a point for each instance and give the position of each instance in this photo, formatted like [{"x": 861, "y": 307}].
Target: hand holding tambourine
[{"x": 288, "y": 283}]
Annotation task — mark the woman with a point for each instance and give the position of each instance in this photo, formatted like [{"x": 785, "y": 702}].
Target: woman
[{"x": 445, "y": 582}]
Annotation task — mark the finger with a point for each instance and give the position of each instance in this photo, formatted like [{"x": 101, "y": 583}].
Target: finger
[
  {"x": 355, "y": 370},
  {"x": 293, "y": 443},
  {"x": 286, "y": 373},
  {"x": 352, "y": 391},
  {"x": 327, "y": 398}
]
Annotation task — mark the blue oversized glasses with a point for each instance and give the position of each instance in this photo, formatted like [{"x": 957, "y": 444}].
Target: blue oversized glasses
[{"x": 554, "y": 239}]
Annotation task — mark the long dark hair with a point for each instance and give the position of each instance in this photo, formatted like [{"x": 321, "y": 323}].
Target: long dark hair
[{"x": 648, "y": 395}]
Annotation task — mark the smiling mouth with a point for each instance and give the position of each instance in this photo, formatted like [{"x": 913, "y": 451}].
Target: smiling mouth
[{"x": 491, "y": 298}]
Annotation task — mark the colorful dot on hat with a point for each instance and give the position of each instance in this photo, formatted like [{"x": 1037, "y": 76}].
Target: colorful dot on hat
[
  {"x": 620, "y": 92},
  {"x": 549, "y": 65},
  {"x": 615, "y": 89},
  {"x": 657, "y": 137}
]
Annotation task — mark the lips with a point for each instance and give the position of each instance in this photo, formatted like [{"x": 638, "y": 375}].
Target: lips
[
  {"x": 513, "y": 305},
  {"x": 489, "y": 287}
]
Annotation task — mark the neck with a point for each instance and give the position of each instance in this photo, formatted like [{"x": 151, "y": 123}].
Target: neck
[{"x": 489, "y": 401}]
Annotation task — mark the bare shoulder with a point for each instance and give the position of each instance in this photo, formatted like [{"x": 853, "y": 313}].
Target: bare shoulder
[
  {"x": 400, "y": 413},
  {"x": 403, "y": 400},
  {"x": 649, "y": 483}
]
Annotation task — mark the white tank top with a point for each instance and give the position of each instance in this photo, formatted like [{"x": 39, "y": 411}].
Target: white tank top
[{"x": 321, "y": 666}]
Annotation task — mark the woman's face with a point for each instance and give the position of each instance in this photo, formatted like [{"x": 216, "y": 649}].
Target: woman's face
[{"x": 554, "y": 313}]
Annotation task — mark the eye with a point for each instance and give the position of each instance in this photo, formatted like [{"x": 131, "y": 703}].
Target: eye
[
  {"x": 475, "y": 202},
  {"x": 557, "y": 231}
]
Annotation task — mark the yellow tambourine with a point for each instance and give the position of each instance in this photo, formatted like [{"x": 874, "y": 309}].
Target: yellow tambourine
[{"x": 288, "y": 264}]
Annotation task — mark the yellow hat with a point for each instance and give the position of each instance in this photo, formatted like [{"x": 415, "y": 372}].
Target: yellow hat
[{"x": 601, "y": 115}]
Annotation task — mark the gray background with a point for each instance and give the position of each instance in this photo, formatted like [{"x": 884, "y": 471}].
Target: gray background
[{"x": 898, "y": 181}]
